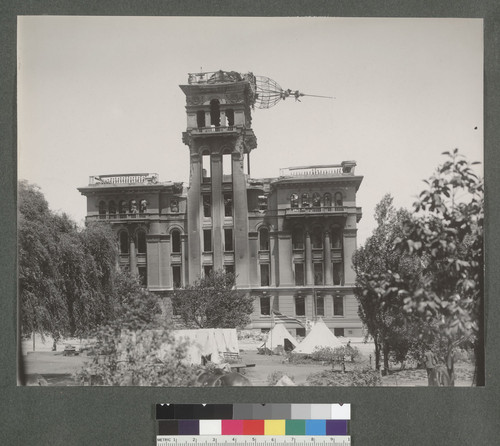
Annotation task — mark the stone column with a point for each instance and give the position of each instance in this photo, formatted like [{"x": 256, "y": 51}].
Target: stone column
[
  {"x": 184, "y": 256},
  {"x": 240, "y": 216},
  {"x": 217, "y": 210},
  {"x": 308, "y": 260},
  {"x": 327, "y": 250},
  {"x": 253, "y": 251},
  {"x": 349, "y": 248},
  {"x": 274, "y": 258},
  {"x": 194, "y": 217},
  {"x": 132, "y": 256},
  {"x": 285, "y": 259}
]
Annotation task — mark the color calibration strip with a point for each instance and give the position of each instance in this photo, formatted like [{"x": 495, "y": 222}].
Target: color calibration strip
[{"x": 253, "y": 419}]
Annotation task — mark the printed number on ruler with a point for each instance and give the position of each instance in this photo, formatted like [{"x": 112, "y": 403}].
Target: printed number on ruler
[{"x": 261, "y": 440}]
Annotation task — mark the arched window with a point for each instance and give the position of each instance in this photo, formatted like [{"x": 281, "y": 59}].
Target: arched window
[
  {"x": 305, "y": 200},
  {"x": 327, "y": 200},
  {"x": 102, "y": 208},
  {"x": 339, "y": 201},
  {"x": 294, "y": 201},
  {"x": 215, "y": 112},
  {"x": 230, "y": 117},
  {"x": 206, "y": 166},
  {"x": 122, "y": 208},
  {"x": 174, "y": 205},
  {"x": 264, "y": 239},
  {"x": 200, "y": 118},
  {"x": 124, "y": 245},
  {"x": 141, "y": 242},
  {"x": 133, "y": 207},
  {"x": 317, "y": 238},
  {"x": 112, "y": 208},
  {"x": 176, "y": 241},
  {"x": 316, "y": 200},
  {"x": 298, "y": 238}
]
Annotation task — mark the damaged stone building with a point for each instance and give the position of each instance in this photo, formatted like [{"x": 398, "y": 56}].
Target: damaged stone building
[{"x": 288, "y": 239}]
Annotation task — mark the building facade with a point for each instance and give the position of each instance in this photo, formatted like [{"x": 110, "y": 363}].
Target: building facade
[{"x": 288, "y": 239}]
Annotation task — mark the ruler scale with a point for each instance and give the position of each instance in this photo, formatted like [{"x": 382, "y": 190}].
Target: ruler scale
[{"x": 243, "y": 440}]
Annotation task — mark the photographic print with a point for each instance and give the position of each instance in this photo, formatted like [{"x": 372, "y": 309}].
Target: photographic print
[{"x": 250, "y": 201}]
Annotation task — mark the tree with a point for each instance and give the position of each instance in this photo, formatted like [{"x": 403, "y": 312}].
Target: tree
[
  {"x": 213, "y": 301},
  {"x": 69, "y": 280},
  {"x": 380, "y": 271},
  {"x": 446, "y": 232},
  {"x": 43, "y": 308}
]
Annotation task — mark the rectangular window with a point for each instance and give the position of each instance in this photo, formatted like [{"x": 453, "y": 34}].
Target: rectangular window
[
  {"x": 143, "y": 275},
  {"x": 299, "y": 274},
  {"x": 264, "y": 274},
  {"x": 338, "y": 332},
  {"x": 337, "y": 274},
  {"x": 176, "y": 276},
  {"x": 338, "y": 305},
  {"x": 318, "y": 274},
  {"x": 229, "y": 269},
  {"x": 265, "y": 306},
  {"x": 207, "y": 240},
  {"x": 207, "y": 205},
  {"x": 228, "y": 240},
  {"x": 207, "y": 269},
  {"x": 228, "y": 205},
  {"x": 300, "y": 306},
  {"x": 320, "y": 306}
]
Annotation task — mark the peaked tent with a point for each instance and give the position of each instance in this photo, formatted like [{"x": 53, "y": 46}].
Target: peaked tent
[
  {"x": 319, "y": 336},
  {"x": 277, "y": 337},
  {"x": 207, "y": 341}
]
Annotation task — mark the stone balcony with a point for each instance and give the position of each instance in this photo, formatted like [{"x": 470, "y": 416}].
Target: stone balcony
[{"x": 345, "y": 168}]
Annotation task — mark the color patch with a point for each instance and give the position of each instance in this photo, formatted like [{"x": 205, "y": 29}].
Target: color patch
[
  {"x": 253, "y": 427},
  {"x": 281, "y": 411},
  {"x": 165, "y": 412},
  {"x": 213, "y": 411},
  {"x": 262, "y": 412},
  {"x": 341, "y": 412},
  {"x": 321, "y": 411},
  {"x": 184, "y": 411},
  {"x": 242, "y": 412},
  {"x": 274, "y": 427},
  {"x": 301, "y": 411},
  {"x": 315, "y": 427},
  {"x": 336, "y": 427},
  {"x": 189, "y": 427},
  {"x": 210, "y": 427},
  {"x": 232, "y": 427},
  {"x": 295, "y": 427},
  {"x": 168, "y": 427}
]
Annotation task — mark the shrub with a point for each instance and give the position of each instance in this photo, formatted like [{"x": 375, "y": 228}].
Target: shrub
[
  {"x": 274, "y": 377},
  {"x": 333, "y": 355},
  {"x": 137, "y": 358},
  {"x": 363, "y": 377}
]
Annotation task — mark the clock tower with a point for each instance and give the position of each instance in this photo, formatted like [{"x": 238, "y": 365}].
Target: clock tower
[{"x": 220, "y": 139}]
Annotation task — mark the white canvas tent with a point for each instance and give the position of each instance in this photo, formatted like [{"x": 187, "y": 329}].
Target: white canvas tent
[
  {"x": 319, "y": 336},
  {"x": 277, "y": 336},
  {"x": 208, "y": 341}
]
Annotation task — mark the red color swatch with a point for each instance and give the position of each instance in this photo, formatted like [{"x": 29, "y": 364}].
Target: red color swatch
[
  {"x": 253, "y": 427},
  {"x": 232, "y": 427}
]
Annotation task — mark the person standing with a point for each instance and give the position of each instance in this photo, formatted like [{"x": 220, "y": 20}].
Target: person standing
[{"x": 430, "y": 365}]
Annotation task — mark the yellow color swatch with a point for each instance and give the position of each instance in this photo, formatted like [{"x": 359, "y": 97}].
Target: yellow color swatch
[{"x": 274, "y": 427}]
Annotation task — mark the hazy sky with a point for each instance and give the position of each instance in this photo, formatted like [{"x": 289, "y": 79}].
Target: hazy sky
[{"x": 100, "y": 95}]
